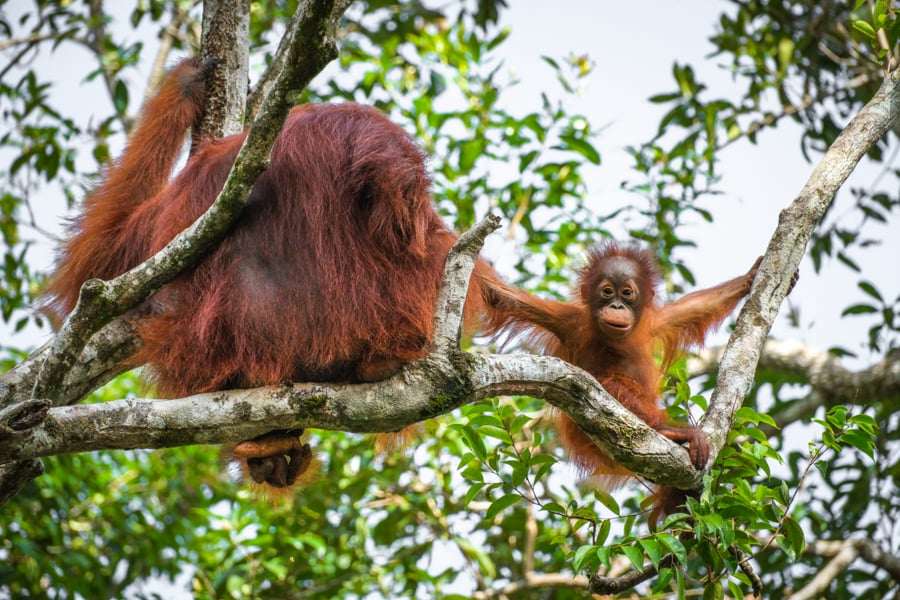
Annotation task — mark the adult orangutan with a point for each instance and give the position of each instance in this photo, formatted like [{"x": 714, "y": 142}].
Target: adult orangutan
[{"x": 330, "y": 274}]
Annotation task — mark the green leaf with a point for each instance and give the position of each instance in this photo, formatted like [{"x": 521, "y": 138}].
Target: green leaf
[
  {"x": 554, "y": 507},
  {"x": 603, "y": 532},
  {"x": 652, "y": 549},
  {"x": 870, "y": 290},
  {"x": 794, "y": 536},
  {"x": 607, "y": 500},
  {"x": 866, "y": 423},
  {"x": 864, "y": 28},
  {"x": 526, "y": 159},
  {"x": 859, "y": 309},
  {"x": 495, "y": 432},
  {"x": 635, "y": 555},
  {"x": 674, "y": 545},
  {"x": 785, "y": 53},
  {"x": 583, "y": 148},
  {"x": 276, "y": 568},
  {"x": 473, "y": 441},
  {"x": 477, "y": 553},
  {"x": 859, "y": 440},
  {"x": 482, "y": 419},
  {"x": 662, "y": 98},
  {"x": 582, "y": 556},
  {"x": 550, "y": 62},
  {"x": 500, "y": 504},
  {"x": 714, "y": 591},
  {"x": 472, "y": 492},
  {"x": 120, "y": 97}
]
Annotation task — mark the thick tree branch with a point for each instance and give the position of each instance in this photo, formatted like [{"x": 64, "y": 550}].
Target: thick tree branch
[
  {"x": 741, "y": 355},
  {"x": 830, "y": 382},
  {"x": 226, "y": 36},
  {"x": 15, "y": 475},
  {"x": 102, "y": 359},
  {"x": 272, "y": 73},
  {"x": 437, "y": 384},
  {"x": 782, "y": 257},
  {"x": 842, "y": 553},
  {"x": 423, "y": 390}
]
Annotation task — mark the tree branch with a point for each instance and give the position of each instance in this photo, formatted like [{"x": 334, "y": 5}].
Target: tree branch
[
  {"x": 782, "y": 257},
  {"x": 270, "y": 76},
  {"x": 607, "y": 585},
  {"x": 226, "y": 36},
  {"x": 102, "y": 359},
  {"x": 168, "y": 36},
  {"x": 14, "y": 476},
  {"x": 435, "y": 385},
  {"x": 831, "y": 383},
  {"x": 742, "y": 352},
  {"x": 535, "y": 581},
  {"x": 842, "y": 554},
  {"x": 455, "y": 283}
]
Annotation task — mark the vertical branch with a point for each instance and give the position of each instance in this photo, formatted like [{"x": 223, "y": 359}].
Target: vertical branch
[
  {"x": 226, "y": 37},
  {"x": 172, "y": 33},
  {"x": 457, "y": 272}
]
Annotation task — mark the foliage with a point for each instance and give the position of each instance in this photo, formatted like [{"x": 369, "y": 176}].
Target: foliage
[{"x": 485, "y": 499}]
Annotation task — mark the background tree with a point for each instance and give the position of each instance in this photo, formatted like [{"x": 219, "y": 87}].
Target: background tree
[{"x": 483, "y": 507}]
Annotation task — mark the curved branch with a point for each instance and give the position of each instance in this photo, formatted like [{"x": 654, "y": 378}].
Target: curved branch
[
  {"x": 280, "y": 58},
  {"x": 102, "y": 359},
  {"x": 435, "y": 385},
  {"x": 782, "y": 257},
  {"x": 842, "y": 553},
  {"x": 535, "y": 581},
  {"x": 423, "y": 390},
  {"x": 741, "y": 355},
  {"x": 15, "y": 475}
]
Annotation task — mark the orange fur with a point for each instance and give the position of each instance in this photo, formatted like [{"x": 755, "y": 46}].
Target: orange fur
[
  {"x": 614, "y": 337},
  {"x": 331, "y": 273}
]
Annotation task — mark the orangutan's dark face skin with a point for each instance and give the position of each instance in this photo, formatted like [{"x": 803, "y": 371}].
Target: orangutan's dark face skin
[{"x": 617, "y": 301}]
